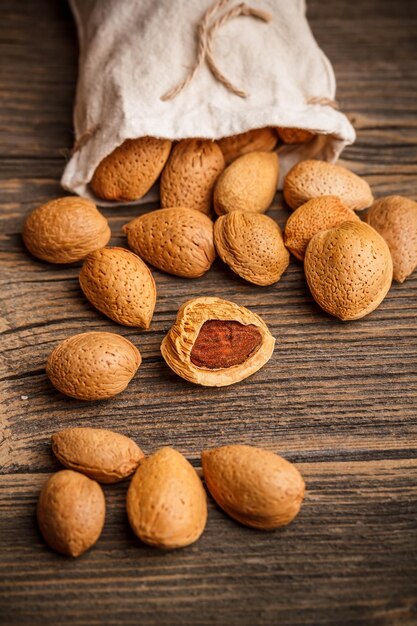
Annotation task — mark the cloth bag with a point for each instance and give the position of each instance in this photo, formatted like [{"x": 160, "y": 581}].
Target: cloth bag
[{"x": 251, "y": 70}]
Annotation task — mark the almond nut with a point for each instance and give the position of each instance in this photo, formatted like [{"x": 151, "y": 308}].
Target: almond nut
[
  {"x": 256, "y": 487},
  {"x": 312, "y": 217},
  {"x": 395, "y": 218},
  {"x": 258, "y": 140},
  {"x": 310, "y": 179},
  {"x": 178, "y": 241},
  {"x": 252, "y": 246},
  {"x": 190, "y": 174},
  {"x": 93, "y": 366},
  {"x": 248, "y": 184},
  {"x": 101, "y": 454},
  {"x": 216, "y": 343},
  {"x": 166, "y": 502},
  {"x": 294, "y": 135},
  {"x": 348, "y": 269},
  {"x": 120, "y": 285},
  {"x": 71, "y": 511},
  {"x": 131, "y": 169},
  {"x": 65, "y": 230}
]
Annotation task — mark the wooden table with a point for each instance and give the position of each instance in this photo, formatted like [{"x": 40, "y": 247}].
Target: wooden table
[{"x": 337, "y": 398}]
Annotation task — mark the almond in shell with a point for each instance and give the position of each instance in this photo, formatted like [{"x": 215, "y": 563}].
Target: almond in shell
[
  {"x": 190, "y": 174},
  {"x": 395, "y": 218},
  {"x": 71, "y": 512},
  {"x": 257, "y": 140},
  {"x": 176, "y": 240},
  {"x": 215, "y": 342},
  {"x": 247, "y": 184},
  {"x": 93, "y": 366},
  {"x": 348, "y": 270},
  {"x": 294, "y": 135},
  {"x": 101, "y": 454},
  {"x": 131, "y": 169},
  {"x": 252, "y": 246},
  {"x": 310, "y": 179},
  {"x": 166, "y": 502},
  {"x": 254, "y": 486},
  {"x": 65, "y": 230},
  {"x": 120, "y": 285}
]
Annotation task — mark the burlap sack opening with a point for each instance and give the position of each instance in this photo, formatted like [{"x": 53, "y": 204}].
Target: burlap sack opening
[{"x": 132, "y": 52}]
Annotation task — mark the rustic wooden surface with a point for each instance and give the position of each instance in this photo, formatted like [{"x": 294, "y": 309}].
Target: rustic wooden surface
[{"x": 337, "y": 398}]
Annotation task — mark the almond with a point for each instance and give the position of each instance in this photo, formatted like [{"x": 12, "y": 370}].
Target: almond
[
  {"x": 93, "y": 366},
  {"x": 256, "y": 487},
  {"x": 295, "y": 135},
  {"x": 131, "y": 169},
  {"x": 312, "y": 217},
  {"x": 248, "y": 184},
  {"x": 101, "y": 454},
  {"x": 176, "y": 240},
  {"x": 71, "y": 511},
  {"x": 166, "y": 502},
  {"x": 258, "y": 140},
  {"x": 395, "y": 218},
  {"x": 252, "y": 246},
  {"x": 120, "y": 285},
  {"x": 216, "y": 343},
  {"x": 190, "y": 174},
  {"x": 310, "y": 179},
  {"x": 348, "y": 269},
  {"x": 65, "y": 230}
]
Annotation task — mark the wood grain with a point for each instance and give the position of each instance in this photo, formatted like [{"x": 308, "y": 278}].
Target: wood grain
[{"x": 338, "y": 398}]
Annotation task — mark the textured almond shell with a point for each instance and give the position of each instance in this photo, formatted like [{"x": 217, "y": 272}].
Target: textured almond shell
[
  {"x": 71, "y": 512},
  {"x": 120, "y": 285},
  {"x": 256, "y": 487},
  {"x": 395, "y": 218},
  {"x": 166, "y": 502},
  {"x": 294, "y": 135},
  {"x": 190, "y": 174},
  {"x": 310, "y": 179},
  {"x": 258, "y": 140},
  {"x": 65, "y": 230},
  {"x": 176, "y": 240},
  {"x": 101, "y": 454},
  {"x": 131, "y": 169},
  {"x": 252, "y": 246},
  {"x": 312, "y": 217},
  {"x": 348, "y": 270},
  {"x": 177, "y": 344},
  {"x": 93, "y": 366},
  {"x": 248, "y": 184}
]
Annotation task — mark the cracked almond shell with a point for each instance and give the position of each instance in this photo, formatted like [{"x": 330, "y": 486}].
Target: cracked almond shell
[
  {"x": 190, "y": 174},
  {"x": 251, "y": 244},
  {"x": 93, "y": 366},
  {"x": 254, "y": 486},
  {"x": 131, "y": 169},
  {"x": 166, "y": 501},
  {"x": 176, "y": 240},
  {"x": 312, "y": 217},
  {"x": 310, "y": 179},
  {"x": 247, "y": 184},
  {"x": 258, "y": 140},
  {"x": 101, "y": 454},
  {"x": 65, "y": 230},
  {"x": 120, "y": 285},
  {"x": 395, "y": 218},
  {"x": 294, "y": 135},
  {"x": 71, "y": 511},
  {"x": 237, "y": 347},
  {"x": 348, "y": 270}
]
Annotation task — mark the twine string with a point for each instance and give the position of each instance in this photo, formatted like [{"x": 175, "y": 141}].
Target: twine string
[{"x": 324, "y": 101}]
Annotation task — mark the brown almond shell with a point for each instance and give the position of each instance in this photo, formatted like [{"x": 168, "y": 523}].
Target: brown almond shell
[{"x": 257, "y": 140}]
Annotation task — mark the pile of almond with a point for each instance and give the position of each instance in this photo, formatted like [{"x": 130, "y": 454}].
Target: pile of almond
[
  {"x": 348, "y": 264},
  {"x": 166, "y": 502}
]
